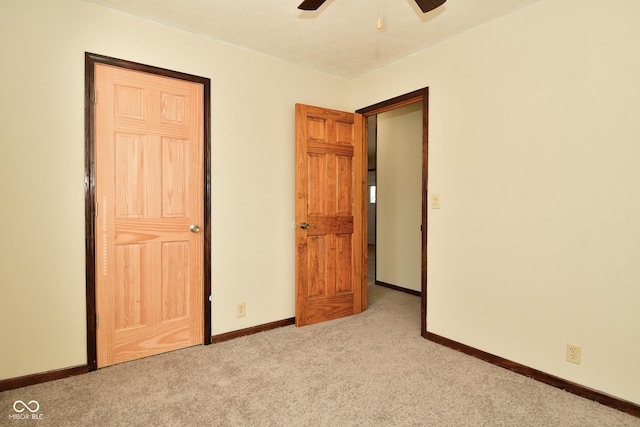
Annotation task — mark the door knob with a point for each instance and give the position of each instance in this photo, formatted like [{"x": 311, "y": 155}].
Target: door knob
[
  {"x": 194, "y": 228},
  {"x": 304, "y": 226}
]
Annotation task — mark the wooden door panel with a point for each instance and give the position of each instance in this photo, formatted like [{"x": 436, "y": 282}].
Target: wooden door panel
[
  {"x": 317, "y": 173},
  {"x": 175, "y": 171},
  {"x": 129, "y": 102},
  {"x": 175, "y": 280},
  {"x": 149, "y": 182},
  {"x": 130, "y": 175},
  {"x": 329, "y": 198},
  {"x": 173, "y": 108},
  {"x": 316, "y": 128},
  {"x": 129, "y": 281},
  {"x": 317, "y": 258},
  {"x": 344, "y": 133},
  {"x": 329, "y": 265},
  {"x": 344, "y": 182},
  {"x": 343, "y": 262}
]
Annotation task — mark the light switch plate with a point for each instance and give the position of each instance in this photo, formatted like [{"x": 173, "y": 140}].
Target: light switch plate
[{"x": 435, "y": 201}]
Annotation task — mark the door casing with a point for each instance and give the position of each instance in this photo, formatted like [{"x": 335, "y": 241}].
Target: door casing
[
  {"x": 420, "y": 95},
  {"x": 89, "y": 189}
]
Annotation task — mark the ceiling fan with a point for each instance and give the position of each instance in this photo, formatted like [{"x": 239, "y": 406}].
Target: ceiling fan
[{"x": 424, "y": 5}]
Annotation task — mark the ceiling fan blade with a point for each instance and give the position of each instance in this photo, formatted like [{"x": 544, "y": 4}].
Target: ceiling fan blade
[
  {"x": 311, "y": 4},
  {"x": 427, "y": 5}
]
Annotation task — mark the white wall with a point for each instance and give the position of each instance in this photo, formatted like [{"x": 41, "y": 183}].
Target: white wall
[
  {"x": 534, "y": 138},
  {"x": 42, "y": 253},
  {"x": 399, "y": 210}
]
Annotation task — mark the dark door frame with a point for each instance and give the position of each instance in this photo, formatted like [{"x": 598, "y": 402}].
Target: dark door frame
[
  {"x": 89, "y": 190},
  {"x": 420, "y": 95}
]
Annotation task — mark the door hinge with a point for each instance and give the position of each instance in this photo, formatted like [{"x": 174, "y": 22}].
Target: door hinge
[
  {"x": 95, "y": 96},
  {"x": 96, "y": 320},
  {"x": 96, "y": 212}
]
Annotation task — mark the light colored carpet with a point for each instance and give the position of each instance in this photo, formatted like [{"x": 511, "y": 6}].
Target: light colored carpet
[{"x": 373, "y": 369}]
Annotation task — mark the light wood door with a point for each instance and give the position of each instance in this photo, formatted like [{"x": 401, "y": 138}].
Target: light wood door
[
  {"x": 149, "y": 192},
  {"x": 330, "y": 187}
]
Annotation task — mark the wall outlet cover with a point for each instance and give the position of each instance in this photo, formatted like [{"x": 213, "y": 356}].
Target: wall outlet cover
[{"x": 574, "y": 353}]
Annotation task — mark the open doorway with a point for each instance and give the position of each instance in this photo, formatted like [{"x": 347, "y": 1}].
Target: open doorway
[
  {"x": 396, "y": 178},
  {"x": 371, "y": 113}
]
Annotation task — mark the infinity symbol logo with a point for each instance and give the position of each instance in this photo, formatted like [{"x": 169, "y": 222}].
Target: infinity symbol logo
[{"x": 26, "y": 406}]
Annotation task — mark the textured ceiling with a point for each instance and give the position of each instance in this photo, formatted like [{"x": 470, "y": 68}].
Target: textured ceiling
[{"x": 341, "y": 38}]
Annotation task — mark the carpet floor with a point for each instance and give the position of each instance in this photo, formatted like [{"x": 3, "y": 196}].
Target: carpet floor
[{"x": 373, "y": 369}]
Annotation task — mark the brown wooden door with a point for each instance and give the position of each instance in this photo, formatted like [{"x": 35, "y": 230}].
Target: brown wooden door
[
  {"x": 149, "y": 191},
  {"x": 330, "y": 233}
]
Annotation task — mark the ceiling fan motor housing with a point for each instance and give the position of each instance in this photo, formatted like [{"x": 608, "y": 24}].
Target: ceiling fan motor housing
[{"x": 424, "y": 5}]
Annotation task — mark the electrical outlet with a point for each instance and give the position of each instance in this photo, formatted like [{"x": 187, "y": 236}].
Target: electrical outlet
[
  {"x": 241, "y": 309},
  {"x": 573, "y": 353}
]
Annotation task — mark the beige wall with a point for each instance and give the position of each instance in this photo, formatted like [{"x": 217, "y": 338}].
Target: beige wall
[
  {"x": 399, "y": 207},
  {"x": 534, "y": 140},
  {"x": 42, "y": 252}
]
